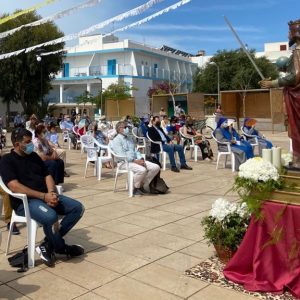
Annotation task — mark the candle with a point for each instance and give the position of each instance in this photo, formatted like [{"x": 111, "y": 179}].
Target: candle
[
  {"x": 276, "y": 157},
  {"x": 267, "y": 155}
]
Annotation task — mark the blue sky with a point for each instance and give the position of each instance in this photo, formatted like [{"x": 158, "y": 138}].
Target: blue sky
[{"x": 194, "y": 26}]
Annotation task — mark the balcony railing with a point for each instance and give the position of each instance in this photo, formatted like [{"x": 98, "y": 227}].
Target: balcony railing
[{"x": 126, "y": 69}]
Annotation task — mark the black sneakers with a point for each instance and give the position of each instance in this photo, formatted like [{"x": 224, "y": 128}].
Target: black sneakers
[
  {"x": 175, "y": 169},
  {"x": 138, "y": 192},
  {"x": 185, "y": 167},
  {"x": 71, "y": 250},
  {"x": 45, "y": 254}
]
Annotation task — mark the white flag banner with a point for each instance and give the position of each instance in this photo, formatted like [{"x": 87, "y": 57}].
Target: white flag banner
[
  {"x": 149, "y": 18},
  {"x": 56, "y": 16},
  {"x": 138, "y": 23},
  {"x": 133, "y": 12},
  {"x": 136, "y": 11}
]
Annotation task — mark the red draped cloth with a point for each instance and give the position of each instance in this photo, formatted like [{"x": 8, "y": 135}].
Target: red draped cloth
[
  {"x": 292, "y": 104},
  {"x": 264, "y": 264}
]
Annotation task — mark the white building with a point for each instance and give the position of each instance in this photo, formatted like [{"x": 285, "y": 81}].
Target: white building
[
  {"x": 272, "y": 51},
  {"x": 100, "y": 60}
]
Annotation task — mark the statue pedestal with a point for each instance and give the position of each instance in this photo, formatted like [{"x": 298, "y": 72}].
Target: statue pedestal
[{"x": 292, "y": 195}]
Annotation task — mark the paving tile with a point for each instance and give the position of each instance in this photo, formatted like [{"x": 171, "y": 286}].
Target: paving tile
[
  {"x": 89, "y": 218},
  {"x": 200, "y": 250},
  {"x": 130, "y": 289},
  {"x": 162, "y": 239},
  {"x": 178, "y": 261},
  {"x": 7, "y": 293},
  {"x": 91, "y": 296},
  {"x": 169, "y": 280},
  {"x": 142, "y": 249},
  {"x": 115, "y": 260},
  {"x": 189, "y": 232},
  {"x": 98, "y": 235},
  {"x": 45, "y": 285},
  {"x": 122, "y": 227},
  {"x": 83, "y": 273},
  {"x": 215, "y": 292}
]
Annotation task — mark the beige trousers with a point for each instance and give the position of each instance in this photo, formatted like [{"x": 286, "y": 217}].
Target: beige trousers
[
  {"x": 6, "y": 206},
  {"x": 142, "y": 176}
]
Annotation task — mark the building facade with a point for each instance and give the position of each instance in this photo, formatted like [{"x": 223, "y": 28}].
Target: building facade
[{"x": 98, "y": 61}]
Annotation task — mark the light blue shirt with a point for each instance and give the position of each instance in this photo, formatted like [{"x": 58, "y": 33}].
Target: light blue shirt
[
  {"x": 125, "y": 146},
  {"x": 68, "y": 125},
  {"x": 163, "y": 138}
]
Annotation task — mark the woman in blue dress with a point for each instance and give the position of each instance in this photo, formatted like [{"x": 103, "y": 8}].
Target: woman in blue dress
[
  {"x": 249, "y": 129},
  {"x": 226, "y": 133}
]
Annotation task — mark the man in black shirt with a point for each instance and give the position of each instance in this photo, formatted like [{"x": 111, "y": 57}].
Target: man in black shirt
[{"x": 24, "y": 172}]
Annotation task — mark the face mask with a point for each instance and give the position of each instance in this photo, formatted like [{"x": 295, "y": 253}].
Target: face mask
[
  {"x": 224, "y": 125},
  {"x": 68, "y": 119},
  {"x": 157, "y": 124},
  {"x": 126, "y": 131},
  {"x": 28, "y": 148}
]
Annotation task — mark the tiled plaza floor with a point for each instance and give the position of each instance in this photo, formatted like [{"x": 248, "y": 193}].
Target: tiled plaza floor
[{"x": 136, "y": 248}]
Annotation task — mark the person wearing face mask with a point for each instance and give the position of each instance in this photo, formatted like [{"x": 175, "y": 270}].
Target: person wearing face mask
[
  {"x": 226, "y": 133},
  {"x": 55, "y": 165},
  {"x": 156, "y": 134},
  {"x": 204, "y": 145},
  {"x": 23, "y": 171},
  {"x": 67, "y": 125},
  {"x": 249, "y": 128},
  {"x": 143, "y": 171}
]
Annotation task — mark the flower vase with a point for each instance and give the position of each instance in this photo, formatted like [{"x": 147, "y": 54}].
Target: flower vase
[{"x": 224, "y": 253}]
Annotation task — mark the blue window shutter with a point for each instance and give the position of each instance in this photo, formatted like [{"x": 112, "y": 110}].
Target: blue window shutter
[
  {"x": 111, "y": 66},
  {"x": 66, "y": 70}
]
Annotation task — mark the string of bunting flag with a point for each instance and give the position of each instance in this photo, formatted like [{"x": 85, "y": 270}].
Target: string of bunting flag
[
  {"x": 120, "y": 17},
  {"x": 56, "y": 16},
  {"x": 26, "y": 11}
]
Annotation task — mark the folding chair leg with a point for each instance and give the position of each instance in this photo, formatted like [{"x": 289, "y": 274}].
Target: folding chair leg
[
  {"x": 116, "y": 179},
  {"x": 218, "y": 159},
  {"x": 195, "y": 153},
  {"x": 9, "y": 237},
  {"x": 164, "y": 158},
  {"x": 31, "y": 235},
  {"x": 232, "y": 162},
  {"x": 130, "y": 184}
]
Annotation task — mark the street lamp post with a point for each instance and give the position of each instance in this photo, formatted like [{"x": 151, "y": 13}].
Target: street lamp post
[
  {"x": 39, "y": 59},
  {"x": 218, "y": 71}
]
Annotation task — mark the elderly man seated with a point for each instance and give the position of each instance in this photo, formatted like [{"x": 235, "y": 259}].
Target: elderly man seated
[
  {"x": 156, "y": 134},
  {"x": 144, "y": 171},
  {"x": 68, "y": 125}
]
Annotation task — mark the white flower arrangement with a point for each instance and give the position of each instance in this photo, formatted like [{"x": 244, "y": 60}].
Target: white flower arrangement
[
  {"x": 257, "y": 169},
  {"x": 222, "y": 208},
  {"x": 286, "y": 158}
]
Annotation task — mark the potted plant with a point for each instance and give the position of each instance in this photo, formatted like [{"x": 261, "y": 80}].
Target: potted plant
[
  {"x": 225, "y": 227},
  {"x": 256, "y": 181}
]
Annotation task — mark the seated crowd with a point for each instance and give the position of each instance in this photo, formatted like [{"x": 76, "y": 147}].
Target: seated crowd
[{"x": 37, "y": 163}]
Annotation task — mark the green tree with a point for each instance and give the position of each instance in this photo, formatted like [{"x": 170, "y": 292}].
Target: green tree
[
  {"x": 236, "y": 72},
  {"x": 116, "y": 91},
  {"x": 23, "y": 79},
  {"x": 84, "y": 98}
]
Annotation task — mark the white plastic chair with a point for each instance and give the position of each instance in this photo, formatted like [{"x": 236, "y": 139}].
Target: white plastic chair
[
  {"x": 91, "y": 157},
  {"x": 225, "y": 153},
  {"x": 103, "y": 158},
  {"x": 65, "y": 136},
  {"x": 162, "y": 153},
  {"x": 32, "y": 225},
  {"x": 86, "y": 141},
  {"x": 141, "y": 139},
  {"x": 77, "y": 136},
  {"x": 193, "y": 147},
  {"x": 249, "y": 136},
  {"x": 123, "y": 159}
]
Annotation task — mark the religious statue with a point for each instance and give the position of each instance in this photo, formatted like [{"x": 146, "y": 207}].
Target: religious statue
[{"x": 291, "y": 83}]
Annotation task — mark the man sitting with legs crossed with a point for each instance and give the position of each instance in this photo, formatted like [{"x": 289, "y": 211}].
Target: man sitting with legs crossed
[
  {"x": 144, "y": 171},
  {"x": 23, "y": 171},
  {"x": 157, "y": 134}
]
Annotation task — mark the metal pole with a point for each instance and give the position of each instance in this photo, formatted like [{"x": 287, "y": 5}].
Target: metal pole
[
  {"x": 218, "y": 84},
  {"x": 244, "y": 48}
]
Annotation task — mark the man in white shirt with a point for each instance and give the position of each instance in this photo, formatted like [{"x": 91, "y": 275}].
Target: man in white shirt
[{"x": 143, "y": 171}]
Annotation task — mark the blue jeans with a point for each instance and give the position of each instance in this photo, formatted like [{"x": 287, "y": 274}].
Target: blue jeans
[
  {"x": 47, "y": 216},
  {"x": 171, "y": 149}
]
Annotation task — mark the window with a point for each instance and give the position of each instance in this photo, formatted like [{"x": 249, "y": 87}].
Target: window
[{"x": 282, "y": 47}]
